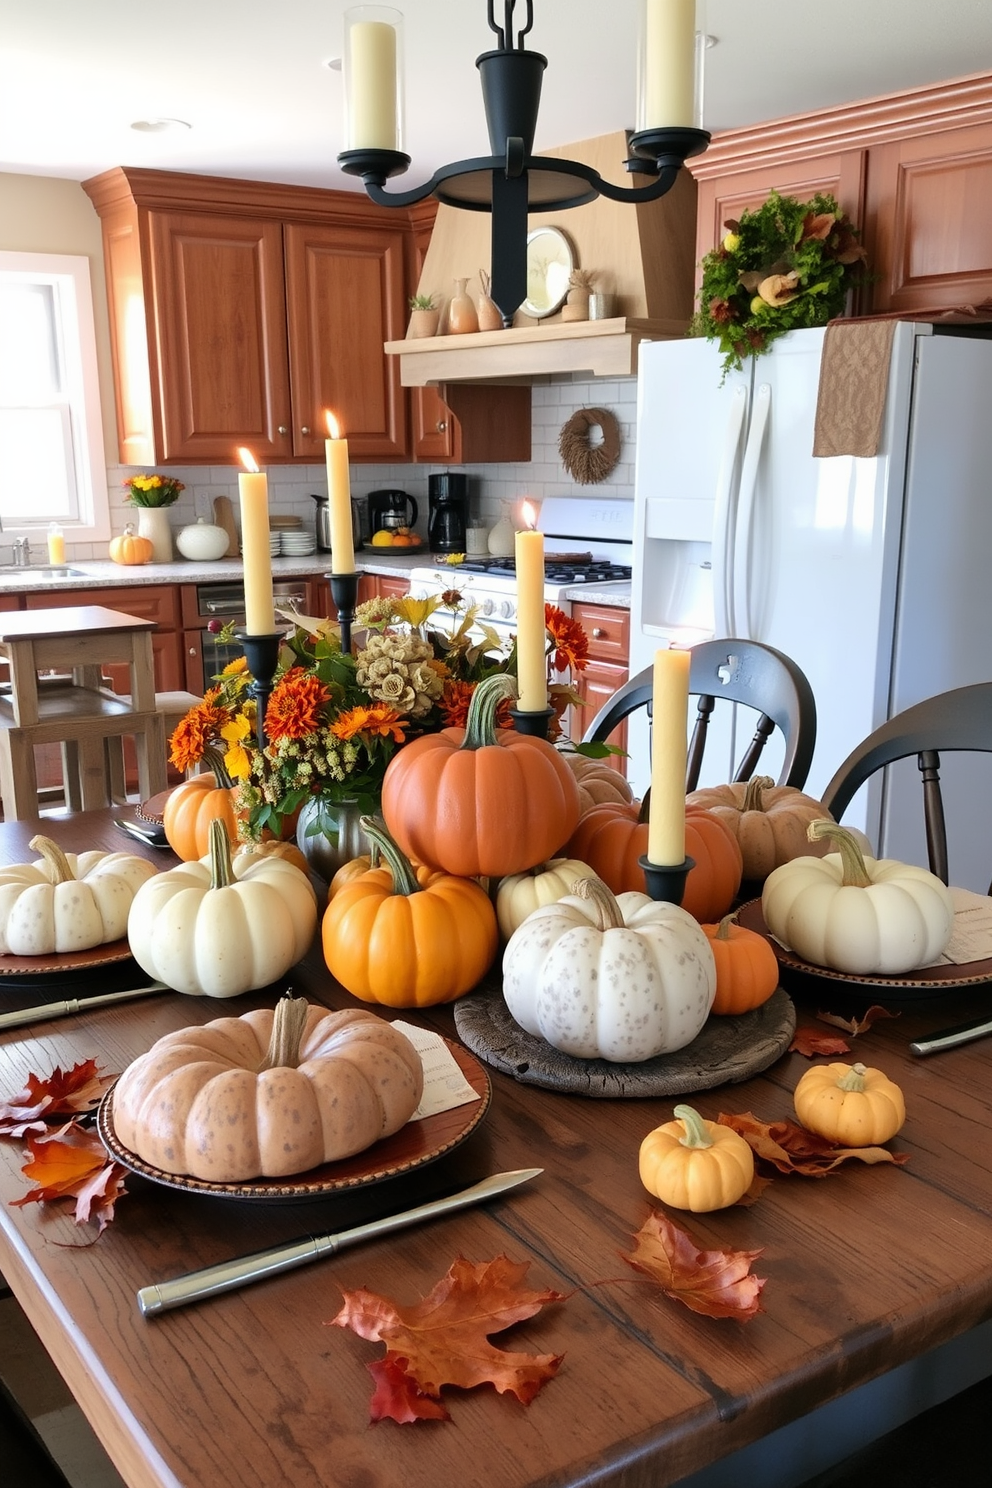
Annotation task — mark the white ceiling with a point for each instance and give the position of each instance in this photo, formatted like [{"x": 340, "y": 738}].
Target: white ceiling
[{"x": 250, "y": 76}]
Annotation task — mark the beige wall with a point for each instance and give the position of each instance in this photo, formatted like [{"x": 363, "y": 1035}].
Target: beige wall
[{"x": 39, "y": 214}]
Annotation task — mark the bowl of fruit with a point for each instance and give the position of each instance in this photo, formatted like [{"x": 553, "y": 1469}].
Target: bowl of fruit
[{"x": 403, "y": 538}]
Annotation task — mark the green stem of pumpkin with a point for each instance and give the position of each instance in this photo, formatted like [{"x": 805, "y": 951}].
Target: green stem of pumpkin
[
  {"x": 696, "y": 1134},
  {"x": 854, "y": 1079},
  {"x": 221, "y": 867},
  {"x": 754, "y": 792},
  {"x": 399, "y": 865},
  {"x": 607, "y": 908},
  {"x": 855, "y": 874},
  {"x": 56, "y": 860},
  {"x": 287, "y": 1034},
  {"x": 214, "y": 761},
  {"x": 480, "y": 726}
]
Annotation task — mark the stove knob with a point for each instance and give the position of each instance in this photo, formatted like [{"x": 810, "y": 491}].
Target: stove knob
[
  {"x": 506, "y": 609},
  {"x": 487, "y": 606}
]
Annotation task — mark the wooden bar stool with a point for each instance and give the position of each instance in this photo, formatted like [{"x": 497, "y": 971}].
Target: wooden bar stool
[{"x": 76, "y": 709}]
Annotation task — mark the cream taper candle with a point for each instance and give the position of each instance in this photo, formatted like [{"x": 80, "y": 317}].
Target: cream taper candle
[
  {"x": 669, "y": 725},
  {"x": 256, "y": 550},
  {"x": 532, "y": 666},
  {"x": 667, "y": 80},
  {"x": 339, "y": 498}
]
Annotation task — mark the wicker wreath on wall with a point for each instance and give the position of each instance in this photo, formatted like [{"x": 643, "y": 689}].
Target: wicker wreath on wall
[{"x": 584, "y": 462}]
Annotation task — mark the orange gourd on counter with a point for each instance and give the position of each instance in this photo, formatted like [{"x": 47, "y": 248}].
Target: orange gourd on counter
[{"x": 129, "y": 548}]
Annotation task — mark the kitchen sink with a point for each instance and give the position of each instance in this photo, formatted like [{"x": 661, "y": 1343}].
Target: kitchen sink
[{"x": 42, "y": 571}]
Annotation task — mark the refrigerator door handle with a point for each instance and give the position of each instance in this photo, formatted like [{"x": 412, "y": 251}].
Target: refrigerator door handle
[
  {"x": 740, "y": 592},
  {"x": 724, "y": 516}
]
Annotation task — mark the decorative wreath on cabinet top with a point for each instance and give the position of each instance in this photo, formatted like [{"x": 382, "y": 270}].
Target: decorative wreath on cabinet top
[{"x": 587, "y": 463}]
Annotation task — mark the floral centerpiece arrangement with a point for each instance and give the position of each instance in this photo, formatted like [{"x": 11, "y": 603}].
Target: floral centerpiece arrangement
[
  {"x": 334, "y": 720},
  {"x": 787, "y": 266},
  {"x": 153, "y": 490}
]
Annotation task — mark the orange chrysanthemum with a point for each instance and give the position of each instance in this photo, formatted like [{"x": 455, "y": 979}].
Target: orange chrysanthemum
[
  {"x": 570, "y": 640},
  {"x": 454, "y": 704},
  {"x": 294, "y": 708},
  {"x": 379, "y": 721},
  {"x": 197, "y": 732}
]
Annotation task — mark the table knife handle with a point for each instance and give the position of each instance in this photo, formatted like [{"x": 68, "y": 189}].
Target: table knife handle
[{"x": 950, "y": 1038}]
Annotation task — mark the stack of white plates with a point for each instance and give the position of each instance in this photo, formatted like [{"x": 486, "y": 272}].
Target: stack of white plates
[
  {"x": 275, "y": 544},
  {"x": 297, "y": 544}
]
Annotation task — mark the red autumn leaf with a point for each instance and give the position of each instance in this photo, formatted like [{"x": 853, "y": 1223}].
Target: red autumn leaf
[
  {"x": 855, "y": 1026},
  {"x": 73, "y": 1164},
  {"x": 790, "y": 1148},
  {"x": 809, "y": 1041},
  {"x": 717, "y": 1283},
  {"x": 62, "y": 1094},
  {"x": 443, "y": 1339}
]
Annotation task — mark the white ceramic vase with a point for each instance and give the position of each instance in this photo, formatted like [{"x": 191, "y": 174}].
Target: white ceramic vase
[{"x": 153, "y": 523}]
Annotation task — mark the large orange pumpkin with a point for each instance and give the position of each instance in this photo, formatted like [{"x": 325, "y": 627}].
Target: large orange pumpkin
[
  {"x": 612, "y": 838},
  {"x": 476, "y": 803},
  {"x": 190, "y": 809}
]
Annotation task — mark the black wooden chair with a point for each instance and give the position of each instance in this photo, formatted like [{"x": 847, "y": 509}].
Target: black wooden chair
[
  {"x": 741, "y": 672},
  {"x": 960, "y": 719}
]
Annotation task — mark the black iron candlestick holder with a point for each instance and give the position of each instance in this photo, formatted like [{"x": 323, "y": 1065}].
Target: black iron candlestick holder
[
  {"x": 262, "y": 655},
  {"x": 536, "y": 724},
  {"x": 344, "y": 592},
  {"x": 666, "y": 883}
]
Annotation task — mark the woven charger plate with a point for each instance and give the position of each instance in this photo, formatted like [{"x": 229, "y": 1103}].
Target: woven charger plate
[{"x": 727, "y": 1051}]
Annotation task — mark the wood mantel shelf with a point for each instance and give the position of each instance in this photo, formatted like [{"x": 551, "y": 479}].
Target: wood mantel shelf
[{"x": 600, "y": 348}]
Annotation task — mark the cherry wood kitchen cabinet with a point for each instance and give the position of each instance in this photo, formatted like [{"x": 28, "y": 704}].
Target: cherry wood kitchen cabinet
[
  {"x": 240, "y": 311},
  {"x": 608, "y": 630}
]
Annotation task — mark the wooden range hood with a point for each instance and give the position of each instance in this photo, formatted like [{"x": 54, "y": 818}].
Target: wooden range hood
[{"x": 644, "y": 256}]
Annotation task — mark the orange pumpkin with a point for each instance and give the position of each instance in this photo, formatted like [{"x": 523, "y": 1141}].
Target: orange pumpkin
[
  {"x": 272, "y": 847},
  {"x": 129, "y": 548},
  {"x": 478, "y": 804},
  {"x": 612, "y": 838},
  {"x": 405, "y": 937},
  {"x": 746, "y": 967},
  {"x": 190, "y": 809}
]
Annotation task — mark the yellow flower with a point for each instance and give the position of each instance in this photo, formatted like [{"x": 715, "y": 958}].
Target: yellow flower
[
  {"x": 237, "y": 760},
  {"x": 416, "y": 611}
]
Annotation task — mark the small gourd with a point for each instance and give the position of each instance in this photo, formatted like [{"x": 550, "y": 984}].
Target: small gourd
[
  {"x": 850, "y": 1104},
  {"x": 746, "y": 966},
  {"x": 130, "y": 548},
  {"x": 695, "y": 1164}
]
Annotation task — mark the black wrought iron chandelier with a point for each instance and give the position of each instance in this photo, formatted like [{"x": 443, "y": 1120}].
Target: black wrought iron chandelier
[{"x": 512, "y": 181}]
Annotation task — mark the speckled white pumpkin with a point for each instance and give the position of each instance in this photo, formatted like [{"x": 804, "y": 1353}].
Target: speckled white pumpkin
[{"x": 598, "y": 977}]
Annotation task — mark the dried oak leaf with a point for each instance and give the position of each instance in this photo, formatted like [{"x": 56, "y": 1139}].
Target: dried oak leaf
[
  {"x": 792, "y": 1149},
  {"x": 810, "y": 1041},
  {"x": 443, "y": 1339},
  {"x": 72, "y": 1163},
  {"x": 716, "y": 1283},
  {"x": 63, "y": 1094},
  {"x": 854, "y": 1026}
]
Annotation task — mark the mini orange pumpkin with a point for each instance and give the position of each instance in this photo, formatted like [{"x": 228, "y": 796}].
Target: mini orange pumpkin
[
  {"x": 190, "y": 809},
  {"x": 129, "y": 548},
  {"x": 746, "y": 966}
]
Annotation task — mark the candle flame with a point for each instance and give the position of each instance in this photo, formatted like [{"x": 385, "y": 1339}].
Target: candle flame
[
  {"x": 529, "y": 511},
  {"x": 333, "y": 427},
  {"x": 248, "y": 460}
]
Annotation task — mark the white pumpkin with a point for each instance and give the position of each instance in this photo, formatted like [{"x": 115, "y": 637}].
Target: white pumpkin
[
  {"x": 598, "y": 977},
  {"x": 856, "y": 913},
  {"x": 217, "y": 928},
  {"x": 66, "y": 902},
  {"x": 519, "y": 894}
]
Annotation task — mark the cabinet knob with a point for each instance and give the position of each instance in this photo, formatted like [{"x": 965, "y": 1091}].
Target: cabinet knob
[
  {"x": 283, "y": 429},
  {"x": 192, "y": 650},
  {"x": 442, "y": 424},
  {"x": 304, "y": 430},
  {"x": 598, "y": 633}
]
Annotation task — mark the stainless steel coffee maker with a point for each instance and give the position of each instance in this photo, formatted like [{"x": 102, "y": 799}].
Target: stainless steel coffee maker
[{"x": 359, "y": 521}]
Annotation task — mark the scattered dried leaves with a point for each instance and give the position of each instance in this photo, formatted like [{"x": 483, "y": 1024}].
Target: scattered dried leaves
[
  {"x": 443, "y": 1339},
  {"x": 854, "y": 1026},
  {"x": 62, "y": 1094},
  {"x": 716, "y": 1283},
  {"x": 789, "y": 1148},
  {"x": 72, "y": 1163},
  {"x": 810, "y": 1041}
]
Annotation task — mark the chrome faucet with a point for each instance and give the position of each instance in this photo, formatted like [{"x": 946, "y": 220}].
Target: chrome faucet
[{"x": 22, "y": 552}]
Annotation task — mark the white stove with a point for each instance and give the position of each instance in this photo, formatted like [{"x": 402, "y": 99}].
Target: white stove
[{"x": 588, "y": 542}]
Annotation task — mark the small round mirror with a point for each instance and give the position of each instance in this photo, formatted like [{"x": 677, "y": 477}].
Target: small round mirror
[{"x": 550, "y": 261}]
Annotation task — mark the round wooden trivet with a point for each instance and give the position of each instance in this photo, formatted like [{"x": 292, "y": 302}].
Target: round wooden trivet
[
  {"x": 585, "y": 464},
  {"x": 727, "y": 1051}
]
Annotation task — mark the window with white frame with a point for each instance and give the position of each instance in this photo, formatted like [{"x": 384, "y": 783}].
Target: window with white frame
[{"x": 52, "y": 465}]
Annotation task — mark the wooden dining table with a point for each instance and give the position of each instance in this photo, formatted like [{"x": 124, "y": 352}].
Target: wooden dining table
[{"x": 864, "y": 1270}]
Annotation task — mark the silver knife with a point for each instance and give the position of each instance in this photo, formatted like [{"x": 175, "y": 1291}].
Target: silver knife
[
  {"x": 950, "y": 1038},
  {"x": 74, "y": 1005},
  {"x": 242, "y": 1270}
]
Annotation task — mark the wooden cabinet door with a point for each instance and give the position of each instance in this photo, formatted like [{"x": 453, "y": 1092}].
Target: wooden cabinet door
[
  {"x": 608, "y": 630},
  {"x": 223, "y": 374},
  {"x": 345, "y": 296}
]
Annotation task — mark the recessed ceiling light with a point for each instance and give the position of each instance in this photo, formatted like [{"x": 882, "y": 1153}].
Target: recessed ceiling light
[
  {"x": 334, "y": 63},
  {"x": 159, "y": 126}
]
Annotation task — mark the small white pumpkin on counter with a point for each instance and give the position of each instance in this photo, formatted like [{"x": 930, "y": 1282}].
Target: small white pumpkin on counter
[
  {"x": 598, "y": 977},
  {"x": 519, "y": 894},
  {"x": 217, "y": 927},
  {"x": 856, "y": 913},
  {"x": 67, "y": 902}
]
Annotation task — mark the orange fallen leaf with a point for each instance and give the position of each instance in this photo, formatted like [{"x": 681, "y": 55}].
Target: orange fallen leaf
[
  {"x": 792, "y": 1149},
  {"x": 65, "y": 1093},
  {"x": 809, "y": 1041},
  {"x": 443, "y": 1339},
  {"x": 716, "y": 1283},
  {"x": 72, "y": 1163},
  {"x": 854, "y": 1026}
]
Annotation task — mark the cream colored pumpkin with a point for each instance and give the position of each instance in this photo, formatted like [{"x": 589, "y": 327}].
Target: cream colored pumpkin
[
  {"x": 217, "y": 928},
  {"x": 66, "y": 902},
  {"x": 855, "y": 913},
  {"x": 768, "y": 820},
  {"x": 521, "y": 893},
  {"x": 268, "y": 1094},
  {"x": 599, "y": 783},
  {"x": 599, "y": 977}
]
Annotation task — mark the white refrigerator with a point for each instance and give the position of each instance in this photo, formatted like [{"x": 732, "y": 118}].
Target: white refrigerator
[{"x": 874, "y": 575}]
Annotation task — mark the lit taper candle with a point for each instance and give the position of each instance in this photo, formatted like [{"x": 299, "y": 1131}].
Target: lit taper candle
[
  {"x": 532, "y": 666},
  {"x": 669, "y": 723},
  {"x": 256, "y": 549},
  {"x": 339, "y": 495}
]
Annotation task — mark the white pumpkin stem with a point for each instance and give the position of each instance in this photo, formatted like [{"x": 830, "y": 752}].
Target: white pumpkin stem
[
  {"x": 754, "y": 793},
  {"x": 852, "y": 858},
  {"x": 608, "y": 910},
  {"x": 854, "y": 1079},
  {"x": 221, "y": 867},
  {"x": 287, "y": 1034},
  {"x": 58, "y": 864},
  {"x": 696, "y": 1134}
]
